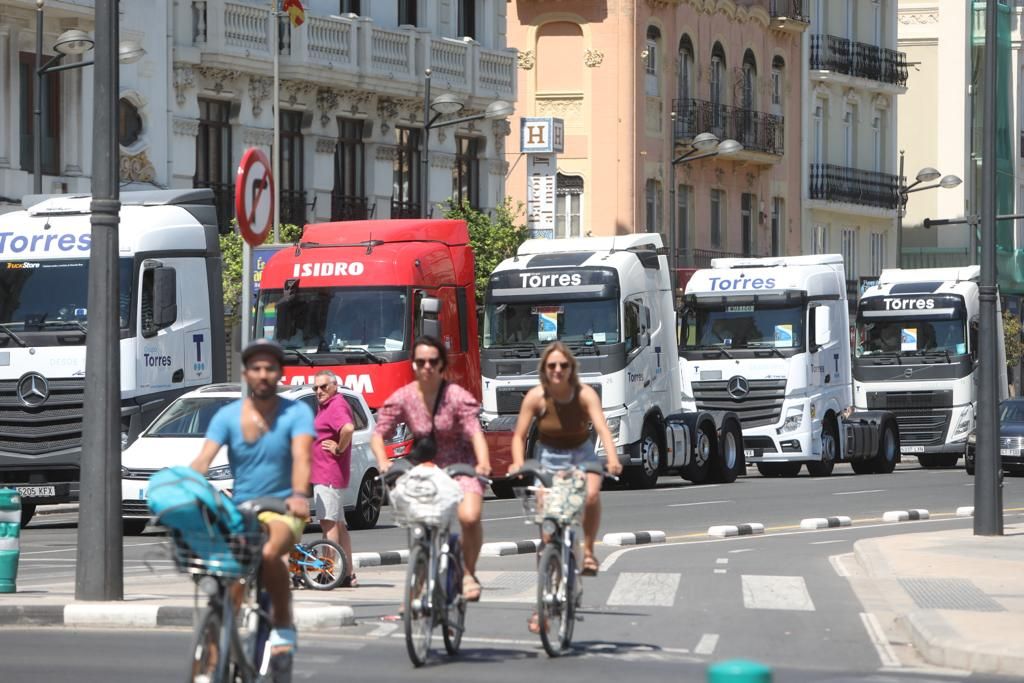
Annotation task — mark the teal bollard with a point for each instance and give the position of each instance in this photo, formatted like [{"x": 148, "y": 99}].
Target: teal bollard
[
  {"x": 739, "y": 671},
  {"x": 10, "y": 530}
]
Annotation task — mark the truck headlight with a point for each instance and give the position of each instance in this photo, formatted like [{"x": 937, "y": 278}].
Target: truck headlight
[
  {"x": 794, "y": 418},
  {"x": 219, "y": 473},
  {"x": 614, "y": 424},
  {"x": 965, "y": 421}
]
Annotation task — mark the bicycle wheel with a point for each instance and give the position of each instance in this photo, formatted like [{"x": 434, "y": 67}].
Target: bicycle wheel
[
  {"x": 207, "y": 663},
  {"x": 254, "y": 629},
  {"x": 326, "y": 565},
  {"x": 417, "y": 615},
  {"x": 454, "y": 622},
  {"x": 550, "y": 606},
  {"x": 569, "y": 600}
]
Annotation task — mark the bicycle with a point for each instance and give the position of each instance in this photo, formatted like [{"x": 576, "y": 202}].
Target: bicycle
[
  {"x": 320, "y": 565},
  {"x": 433, "y": 585},
  {"x": 230, "y": 639},
  {"x": 556, "y": 506}
]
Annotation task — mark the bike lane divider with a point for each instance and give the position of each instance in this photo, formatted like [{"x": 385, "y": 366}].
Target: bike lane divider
[
  {"x": 387, "y": 557},
  {"x": 825, "y": 522},
  {"x": 904, "y": 515},
  {"x": 502, "y": 548},
  {"x": 726, "y": 530},
  {"x": 634, "y": 538}
]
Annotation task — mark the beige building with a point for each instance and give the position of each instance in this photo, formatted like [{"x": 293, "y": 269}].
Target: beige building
[{"x": 635, "y": 83}]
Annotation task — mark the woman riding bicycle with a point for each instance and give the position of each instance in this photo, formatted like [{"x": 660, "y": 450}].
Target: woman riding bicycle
[
  {"x": 564, "y": 410},
  {"x": 431, "y": 406}
]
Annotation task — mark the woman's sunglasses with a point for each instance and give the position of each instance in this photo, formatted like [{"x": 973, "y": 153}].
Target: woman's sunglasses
[
  {"x": 563, "y": 366},
  {"x": 432, "y": 362}
]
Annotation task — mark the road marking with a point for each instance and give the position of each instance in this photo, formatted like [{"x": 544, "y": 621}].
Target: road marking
[
  {"x": 722, "y": 560},
  {"x": 776, "y": 592},
  {"x": 703, "y": 502},
  {"x": 741, "y": 550},
  {"x": 878, "y": 639},
  {"x": 383, "y": 630},
  {"x": 721, "y": 571},
  {"x": 706, "y": 645},
  {"x": 854, "y": 493},
  {"x": 502, "y": 519},
  {"x": 841, "y": 540},
  {"x": 677, "y": 489},
  {"x": 837, "y": 565},
  {"x": 652, "y": 589}
]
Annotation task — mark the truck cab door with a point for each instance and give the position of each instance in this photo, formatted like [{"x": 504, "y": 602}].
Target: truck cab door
[
  {"x": 161, "y": 357},
  {"x": 641, "y": 360}
]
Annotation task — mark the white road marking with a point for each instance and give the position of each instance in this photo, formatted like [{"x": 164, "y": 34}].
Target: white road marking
[
  {"x": 682, "y": 489},
  {"x": 383, "y": 630},
  {"x": 853, "y": 493},
  {"x": 776, "y": 592},
  {"x": 741, "y": 550},
  {"x": 837, "y": 565},
  {"x": 645, "y": 588},
  {"x": 878, "y": 639},
  {"x": 706, "y": 645},
  {"x": 722, "y": 560},
  {"x": 501, "y": 519},
  {"x": 841, "y": 540},
  {"x": 721, "y": 571},
  {"x": 703, "y": 502}
]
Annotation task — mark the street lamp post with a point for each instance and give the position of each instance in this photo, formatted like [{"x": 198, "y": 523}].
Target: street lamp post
[
  {"x": 442, "y": 105},
  {"x": 925, "y": 175}
]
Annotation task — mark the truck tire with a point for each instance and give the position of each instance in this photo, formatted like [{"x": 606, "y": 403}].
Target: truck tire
[
  {"x": 704, "y": 447},
  {"x": 969, "y": 462},
  {"x": 728, "y": 462},
  {"x": 888, "y": 450},
  {"x": 652, "y": 459},
  {"x": 829, "y": 449},
  {"x": 863, "y": 466},
  {"x": 133, "y": 526},
  {"x": 27, "y": 510}
]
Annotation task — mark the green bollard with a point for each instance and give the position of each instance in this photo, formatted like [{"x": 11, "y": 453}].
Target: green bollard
[
  {"x": 739, "y": 671},
  {"x": 10, "y": 529}
]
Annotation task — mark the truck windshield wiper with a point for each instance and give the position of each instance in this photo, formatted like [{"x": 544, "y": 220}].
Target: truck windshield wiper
[
  {"x": 366, "y": 352},
  {"x": 769, "y": 348},
  {"x": 53, "y": 324},
  {"x": 17, "y": 340},
  {"x": 301, "y": 356},
  {"x": 713, "y": 347}
]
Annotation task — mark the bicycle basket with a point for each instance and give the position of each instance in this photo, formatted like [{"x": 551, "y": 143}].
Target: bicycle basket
[
  {"x": 425, "y": 495},
  {"x": 565, "y": 499},
  {"x": 213, "y": 553}
]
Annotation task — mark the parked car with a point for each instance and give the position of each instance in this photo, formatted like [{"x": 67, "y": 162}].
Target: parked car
[
  {"x": 1011, "y": 437},
  {"x": 176, "y": 435}
]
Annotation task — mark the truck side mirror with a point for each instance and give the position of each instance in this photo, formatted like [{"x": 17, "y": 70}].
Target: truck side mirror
[{"x": 430, "y": 307}]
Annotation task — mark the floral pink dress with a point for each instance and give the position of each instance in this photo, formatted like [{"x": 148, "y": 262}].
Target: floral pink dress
[{"x": 455, "y": 424}]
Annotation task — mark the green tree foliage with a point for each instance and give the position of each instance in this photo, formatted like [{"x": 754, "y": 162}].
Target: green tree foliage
[
  {"x": 493, "y": 238},
  {"x": 231, "y": 257},
  {"x": 1011, "y": 337}
]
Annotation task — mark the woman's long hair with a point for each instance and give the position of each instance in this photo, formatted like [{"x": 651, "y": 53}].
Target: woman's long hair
[{"x": 574, "y": 378}]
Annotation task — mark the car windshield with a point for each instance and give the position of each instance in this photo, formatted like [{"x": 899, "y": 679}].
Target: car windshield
[
  {"x": 1012, "y": 411},
  {"x": 748, "y": 327},
  {"x": 39, "y": 294},
  {"x": 511, "y": 324},
  {"x": 327, "y": 319},
  {"x": 187, "y": 417},
  {"x": 911, "y": 336}
]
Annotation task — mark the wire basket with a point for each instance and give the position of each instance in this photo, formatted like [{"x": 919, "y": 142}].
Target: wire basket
[
  {"x": 425, "y": 497},
  {"x": 213, "y": 554}
]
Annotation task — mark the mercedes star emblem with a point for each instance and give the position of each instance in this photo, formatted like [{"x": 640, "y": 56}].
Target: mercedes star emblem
[
  {"x": 738, "y": 387},
  {"x": 33, "y": 390}
]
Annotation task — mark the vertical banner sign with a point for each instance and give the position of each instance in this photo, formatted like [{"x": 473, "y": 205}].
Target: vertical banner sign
[{"x": 541, "y": 139}]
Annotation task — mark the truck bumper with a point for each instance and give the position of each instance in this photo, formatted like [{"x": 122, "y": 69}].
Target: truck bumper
[
  {"x": 960, "y": 448},
  {"x": 765, "y": 444},
  {"x": 45, "y": 479}
]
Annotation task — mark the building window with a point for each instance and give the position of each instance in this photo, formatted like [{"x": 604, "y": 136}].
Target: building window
[
  {"x": 129, "y": 123},
  {"x": 717, "y": 217},
  {"x": 820, "y": 239},
  {"x": 467, "y": 18},
  {"x": 717, "y": 83},
  {"x": 407, "y": 12},
  {"x": 405, "y": 192},
  {"x": 819, "y": 133},
  {"x": 568, "y": 205},
  {"x": 850, "y": 135},
  {"x": 749, "y": 82},
  {"x": 213, "y": 157},
  {"x": 747, "y": 202},
  {"x": 778, "y": 71},
  {"x": 293, "y": 179},
  {"x": 348, "y": 196},
  {"x": 50, "y": 119},
  {"x": 651, "y": 61},
  {"x": 684, "y": 215},
  {"x": 684, "y": 88},
  {"x": 850, "y": 253},
  {"x": 349, "y": 7},
  {"x": 876, "y": 21},
  {"x": 778, "y": 218},
  {"x": 652, "y": 200},
  {"x": 466, "y": 174},
  {"x": 877, "y": 253}
]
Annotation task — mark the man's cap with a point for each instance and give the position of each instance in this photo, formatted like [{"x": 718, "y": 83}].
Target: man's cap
[{"x": 267, "y": 346}]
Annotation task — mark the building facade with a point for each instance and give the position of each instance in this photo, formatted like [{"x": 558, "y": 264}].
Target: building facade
[
  {"x": 853, "y": 77},
  {"x": 351, "y": 101},
  {"x": 636, "y": 83}
]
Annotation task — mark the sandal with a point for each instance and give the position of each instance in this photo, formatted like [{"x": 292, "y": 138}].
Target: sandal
[
  {"x": 533, "y": 623},
  {"x": 349, "y": 582},
  {"x": 590, "y": 566},
  {"x": 471, "y": 588}
]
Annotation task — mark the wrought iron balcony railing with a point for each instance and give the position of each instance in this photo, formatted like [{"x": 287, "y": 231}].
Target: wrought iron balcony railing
[
  {"x": 854, "y": 186},
  {"x": 346, "y": 207},
  {"x": 400, "y": 209},
  {"x": 841, "y": 55},
  {"x": 788, "y": 9},
  {"x": 293, "y": 207},
  {"x": 755, "y": 130},
  {"x": 224, "y": 200},
  {"x": 701, "y": 258}
]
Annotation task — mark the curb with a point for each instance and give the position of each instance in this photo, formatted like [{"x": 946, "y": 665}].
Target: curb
[
  {"x": 380, "y": 559},
  {"x": 634, "y": 538},
  {"x": 939, "y": 644},
  {"x": 966, "y": 511},
  {"x": 118, "y": 615},
  {"x": 502, "y": 548},
  {"x": 904, "y": 515},
  {"x": 825, "y": 522},
  {"x": 724, "y": 530}
]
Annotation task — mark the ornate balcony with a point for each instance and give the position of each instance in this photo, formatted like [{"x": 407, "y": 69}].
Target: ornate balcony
[
  {"x": 789, "y": 15},
  {"x": 858, "y": 60},
  {"x": 400, "y": 209},
  {"x": 293, "y": 207},
  {"x": 760, "y": 134},
  {"x": 853, "y": 186},
  {"x": 348, "y": 208}
]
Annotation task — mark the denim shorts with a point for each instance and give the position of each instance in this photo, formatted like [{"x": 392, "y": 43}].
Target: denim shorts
[{"x": 563, "y": 458}]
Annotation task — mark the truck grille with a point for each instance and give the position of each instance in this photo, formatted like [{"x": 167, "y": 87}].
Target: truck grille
[
  {"x": 135, "y": 507},
  {"x": 510, "y": 399},
  {"x": 909, "y": 400},
  {"x": 56, "y": 425},
  {"x": 139, "y": 475},
  {"x": 762, "y": 406},
  {"x": 923, "y": 428},
  {"x": 1012, "y": 442}
]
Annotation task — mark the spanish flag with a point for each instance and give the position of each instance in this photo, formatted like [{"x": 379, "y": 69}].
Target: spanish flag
[{"x": 295, "y": 11}]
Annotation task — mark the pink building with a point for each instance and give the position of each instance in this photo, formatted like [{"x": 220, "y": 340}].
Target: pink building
[{"x": 636, "y": 82}]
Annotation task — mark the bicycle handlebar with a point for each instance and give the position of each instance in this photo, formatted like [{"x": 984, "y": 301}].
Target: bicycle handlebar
[
  {"x": 546, "y": 476},
  {"x": 459, "y": 469}
]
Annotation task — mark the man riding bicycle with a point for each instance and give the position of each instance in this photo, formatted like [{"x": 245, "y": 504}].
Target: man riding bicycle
[{"x": 269, "y": 441}]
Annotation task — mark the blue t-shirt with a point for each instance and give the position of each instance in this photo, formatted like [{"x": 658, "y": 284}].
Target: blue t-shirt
[{"x": 263, "y": 468}]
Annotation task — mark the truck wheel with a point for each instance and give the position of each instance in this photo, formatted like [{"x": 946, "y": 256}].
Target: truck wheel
[
  {"x": 863, "y": 466},
  {"x": 829, "y": 450},
  {"x": 646, "y": 475},
  {"x": 703, "y": 451},
  {"x": 27, "y": 510},
  {"x": 133, "y": 526},
  {"x": 885, "y": 461},
  {"x": 728, "y": 462},
  {"x": 969, "y": 461}
]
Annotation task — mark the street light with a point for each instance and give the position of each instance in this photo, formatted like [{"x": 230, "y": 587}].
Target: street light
[
  {"x": 72, "y": 42},
  {"x": 702, "y": 146},
  {"x": 445, "y": 105},
  {"x": 925, "y": 175}
]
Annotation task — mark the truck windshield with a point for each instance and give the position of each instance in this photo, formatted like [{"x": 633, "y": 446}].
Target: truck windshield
[
  {"x": 747, "y": 327},
  {"x": 911, "y": 336},
  {"x": 52, "y": 295},
  {"x": 512, "y": 324},
  {"x": 335, "y": 319}
]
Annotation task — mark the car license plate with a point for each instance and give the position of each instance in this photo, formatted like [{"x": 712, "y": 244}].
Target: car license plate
[
  {"x": 36, "y": 491},
  {"x": 748, "y": 452},
  {"x": 1008, "y": 451},
  {"x": 911, "y": 449}
]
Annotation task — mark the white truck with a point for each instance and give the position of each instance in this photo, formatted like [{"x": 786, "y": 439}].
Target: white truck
[
  {"x": 610, "y": 299},
  {"x": 916, "y": 356},
  {"x": 171, "y": 314},
  {"x": 768, "y": 338}
]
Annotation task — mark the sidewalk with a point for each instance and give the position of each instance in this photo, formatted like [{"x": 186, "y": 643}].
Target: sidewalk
[{"x": 957, "y": 598}]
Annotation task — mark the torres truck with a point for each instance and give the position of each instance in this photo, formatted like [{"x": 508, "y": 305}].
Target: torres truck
[
  {"x": 768, "y": 338},
  {"x": 171, "y": 314},
  {"x": 610, "y": 299},
  {"x": 916, "y": 355}
]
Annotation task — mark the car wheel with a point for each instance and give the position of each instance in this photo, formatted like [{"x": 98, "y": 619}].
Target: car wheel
[{"x": 368, "y": 501}]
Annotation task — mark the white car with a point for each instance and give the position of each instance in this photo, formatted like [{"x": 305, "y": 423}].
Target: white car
[{"x": 176, "y": 436}]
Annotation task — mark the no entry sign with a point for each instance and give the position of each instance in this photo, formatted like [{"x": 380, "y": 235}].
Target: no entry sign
[{"x": 254, "y": 196}]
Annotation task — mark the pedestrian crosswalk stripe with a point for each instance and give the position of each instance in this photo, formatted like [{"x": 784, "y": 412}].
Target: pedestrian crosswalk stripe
[
  {"x": 776, "y": 592},
  {"x": 645, "y": 589}
]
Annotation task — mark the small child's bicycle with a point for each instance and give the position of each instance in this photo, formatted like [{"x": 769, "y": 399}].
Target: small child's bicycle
[{"x": 320, "y": 565}]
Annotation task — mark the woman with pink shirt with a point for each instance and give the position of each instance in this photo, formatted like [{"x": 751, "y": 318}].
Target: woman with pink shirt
[
  {"x": 456, "y": 428},
  {"x": 332, "y": 463}
]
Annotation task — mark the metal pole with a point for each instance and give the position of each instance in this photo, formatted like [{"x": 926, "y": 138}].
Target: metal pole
[
  {"x": 246, "y": 303},
  {"x": 37, "y": 115},
  {"x": 276, "y": 149},
  {"x": 99, "y": 558},
  {"x": 424, "y": 161},
  {"x": 673, "y": 261},
  {"x": 988, "y": 504},
  {"x": 901, "y": 201}
]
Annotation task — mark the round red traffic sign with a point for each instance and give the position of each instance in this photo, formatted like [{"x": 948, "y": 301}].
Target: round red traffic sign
[{"x": 254, "y": 196}]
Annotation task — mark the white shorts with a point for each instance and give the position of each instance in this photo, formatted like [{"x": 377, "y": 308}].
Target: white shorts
[{"x": 329, "y": 503}]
